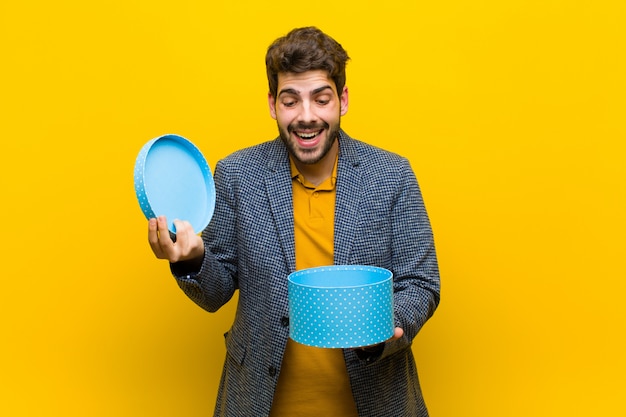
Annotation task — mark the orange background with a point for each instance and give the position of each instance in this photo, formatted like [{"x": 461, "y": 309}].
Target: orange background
[{"x": 512, "y": 114}]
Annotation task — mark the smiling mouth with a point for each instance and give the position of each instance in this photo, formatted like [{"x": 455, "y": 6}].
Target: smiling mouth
[{"x": 308, "y": 135}]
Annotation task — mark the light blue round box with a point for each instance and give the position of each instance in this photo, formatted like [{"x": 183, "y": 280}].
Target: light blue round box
[{"x": 341, "y": 306}]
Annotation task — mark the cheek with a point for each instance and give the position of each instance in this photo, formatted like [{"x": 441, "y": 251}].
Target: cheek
[
  {"x": 332, "y": 117},
  {"x": 282, "y": 121},
  {"x": 284, "y": 118}
]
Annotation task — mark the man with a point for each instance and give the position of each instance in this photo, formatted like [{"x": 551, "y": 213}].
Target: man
[{"x": 312, "y": 197}]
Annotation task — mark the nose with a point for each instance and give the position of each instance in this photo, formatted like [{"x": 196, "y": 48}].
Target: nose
[{"x": 307, "y": 113}]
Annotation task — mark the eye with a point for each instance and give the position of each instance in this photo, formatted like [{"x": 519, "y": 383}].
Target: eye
[
  {"x": 322, "y": 100},
  {"x": 289, "y": 103}
]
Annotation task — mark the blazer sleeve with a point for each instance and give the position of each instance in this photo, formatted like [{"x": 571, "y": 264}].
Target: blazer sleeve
[
  {"x": 413, "y": 261},
  {"x": 215, "y": 283}
]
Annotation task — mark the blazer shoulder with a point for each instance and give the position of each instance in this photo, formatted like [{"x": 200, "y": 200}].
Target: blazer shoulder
[
  {"x": 369, "y": 156},
  {"x": 260, "y": 156}
]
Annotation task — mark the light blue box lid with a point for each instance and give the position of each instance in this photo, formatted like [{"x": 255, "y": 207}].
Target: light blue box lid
[{"x": 173, "y": 178}]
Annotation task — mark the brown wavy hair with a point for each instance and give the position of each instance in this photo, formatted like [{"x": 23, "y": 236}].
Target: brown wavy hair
[{"x": 305, "y": 49}]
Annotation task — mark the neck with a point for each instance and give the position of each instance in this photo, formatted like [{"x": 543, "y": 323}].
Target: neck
[{"x": 318, "y": 172}]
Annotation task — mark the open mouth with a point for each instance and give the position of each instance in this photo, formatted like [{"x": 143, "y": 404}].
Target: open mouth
[{"x": 308, "y": 135}]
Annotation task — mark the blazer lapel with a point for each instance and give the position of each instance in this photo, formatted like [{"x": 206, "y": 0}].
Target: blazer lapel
[
  {"x": 349, "y": 195},
  {"x": 279, "y": 194}
]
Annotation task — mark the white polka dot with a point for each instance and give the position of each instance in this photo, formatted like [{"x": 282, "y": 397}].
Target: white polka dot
[{"x": 341, "y": 316}]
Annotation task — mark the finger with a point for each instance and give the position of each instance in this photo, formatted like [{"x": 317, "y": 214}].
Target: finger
[
  {"x": 165, "y": 241},
  {"x": 180, "y": 235},
  {"x": 164, "y": 235},
  {"x": 184, "y": 236},
  {"x": 397, "y": 333},
  {"x": 153, "y": 238}
]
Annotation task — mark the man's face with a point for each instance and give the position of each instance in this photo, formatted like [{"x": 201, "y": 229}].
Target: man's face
[{"x": 308, "y": 110}]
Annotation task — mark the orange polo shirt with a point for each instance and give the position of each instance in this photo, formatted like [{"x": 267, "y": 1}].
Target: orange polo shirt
[{"x": 313, "y": 381}]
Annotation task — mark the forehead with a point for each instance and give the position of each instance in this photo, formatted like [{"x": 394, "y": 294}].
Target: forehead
[{"x": 305, "y": 82}]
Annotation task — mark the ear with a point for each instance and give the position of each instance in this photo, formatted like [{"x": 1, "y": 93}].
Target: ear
[
  {"x": 272, "y": 103},
  {"x": 344, "y": 101}
]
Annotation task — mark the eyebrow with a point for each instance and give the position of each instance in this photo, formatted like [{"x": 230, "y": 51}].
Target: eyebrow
[{"x": 297, "y": 93}]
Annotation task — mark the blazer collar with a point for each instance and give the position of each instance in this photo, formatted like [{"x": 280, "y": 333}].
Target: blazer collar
[{"x": 349, "y": 195}]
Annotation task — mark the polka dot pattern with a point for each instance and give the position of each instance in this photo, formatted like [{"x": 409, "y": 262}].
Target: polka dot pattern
[
  {"x": 140, "y": 189},
  {"x": 341, "y": 306}
]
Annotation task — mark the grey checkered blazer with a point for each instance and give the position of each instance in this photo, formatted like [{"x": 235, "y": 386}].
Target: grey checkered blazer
[{"x": 379, "y": 220}]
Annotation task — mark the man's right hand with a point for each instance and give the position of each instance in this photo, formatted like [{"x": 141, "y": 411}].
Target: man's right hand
[{"x": 188, "y": 246}]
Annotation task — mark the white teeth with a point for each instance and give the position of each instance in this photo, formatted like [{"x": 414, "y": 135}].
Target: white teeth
[{"x": 308, "y": 135}]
